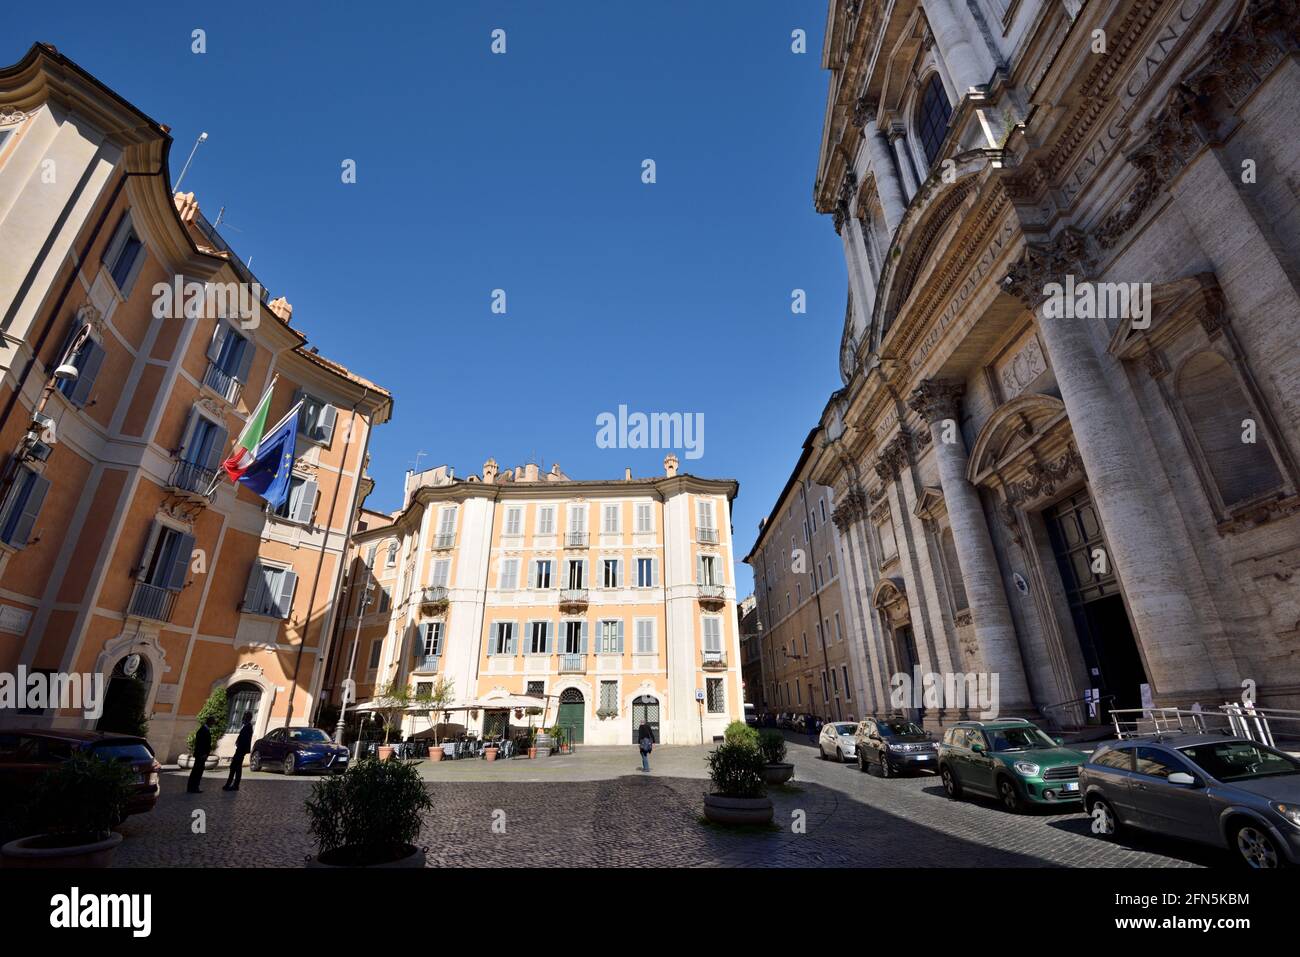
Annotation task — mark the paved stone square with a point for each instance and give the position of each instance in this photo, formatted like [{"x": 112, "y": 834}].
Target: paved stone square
[{"x": 596, "y": 808}]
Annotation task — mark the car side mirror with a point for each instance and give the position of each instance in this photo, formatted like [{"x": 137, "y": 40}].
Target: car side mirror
[
  {"x": 1182, "y": 778},
  {"x": 977, "y": 748}
]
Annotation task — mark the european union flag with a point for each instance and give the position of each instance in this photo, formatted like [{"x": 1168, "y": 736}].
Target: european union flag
[{"x": 272, "y": 466}]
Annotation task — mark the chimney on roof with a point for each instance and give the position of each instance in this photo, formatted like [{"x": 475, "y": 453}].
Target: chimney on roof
[
  {"x": 282, "y": 309},
  {"x": 627, "y": 475},
  {"x": 490, "y": 471},
  {"x": 530, "y": 472},
  {"x": 186, "y": 206},
  {"x": 670, "y": 465}
]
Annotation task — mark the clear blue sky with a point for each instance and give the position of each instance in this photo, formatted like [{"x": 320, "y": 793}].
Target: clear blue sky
[{"x": 520, "y": 172}]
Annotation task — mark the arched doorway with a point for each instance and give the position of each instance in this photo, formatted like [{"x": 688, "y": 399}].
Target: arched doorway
[
  {"x": 890, "y": 602},
  {"x": 241, "y": 697},
  {"x": 127, "y": 696},
  {"x": 645, "y": 709},
  {"x": 572, "y": 713}
]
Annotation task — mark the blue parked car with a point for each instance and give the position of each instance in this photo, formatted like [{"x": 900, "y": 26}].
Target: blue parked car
[{"x": 296, "y": 750}]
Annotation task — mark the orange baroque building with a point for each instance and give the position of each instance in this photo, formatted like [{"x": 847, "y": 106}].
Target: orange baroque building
[
  {"x": 117, "y": 553},
  {"x": 603, "y": 603}
]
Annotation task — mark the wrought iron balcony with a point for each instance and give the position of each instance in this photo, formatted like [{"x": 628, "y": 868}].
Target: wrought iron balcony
[
  {"x": 441, "y": 542},
  {"x": 573, "y": 664},
  {"x": 575, "y": 540},
  {"x": 713, "y": 595},
  {"x": 222, "y": 383},
  {"x": 425, "y": 664},
  {"x": 708, "y": 536},
  {"x": 192, "y": 481},
  {"x": 432, "y": 597},
  {"x": 573, "y": 597},
  {"x": 714, "y": 661},
  {"x": 152, "y": 602}
]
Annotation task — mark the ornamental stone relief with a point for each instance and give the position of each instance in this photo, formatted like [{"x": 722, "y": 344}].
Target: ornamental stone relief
[{"x": 1022, "y": 369}]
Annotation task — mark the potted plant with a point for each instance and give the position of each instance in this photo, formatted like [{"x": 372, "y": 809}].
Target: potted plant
[
  {"x": 390, "y": 704},
  {"x": 771, "y": 744},
  {"x": 71, "y": 815},
  {"x": 739, "y": 795},
  {"x": 437, "y": 699},
  {"x": 740, "y": 733},
  {"x": 369, "y": 816},
  {"x": 490, "y": 753},
  {"x": 215, "y": 707}
]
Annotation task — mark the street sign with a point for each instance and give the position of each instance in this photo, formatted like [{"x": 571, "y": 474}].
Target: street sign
[{"x": 699, "y": 694}]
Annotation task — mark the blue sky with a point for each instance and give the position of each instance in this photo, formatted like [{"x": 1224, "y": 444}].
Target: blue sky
[{"x": 519, "y": 172}]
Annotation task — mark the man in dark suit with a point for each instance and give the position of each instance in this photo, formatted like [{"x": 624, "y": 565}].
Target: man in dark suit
[
  {"x": 243, "y": 744},
  {"x": 202, "y": 748}
]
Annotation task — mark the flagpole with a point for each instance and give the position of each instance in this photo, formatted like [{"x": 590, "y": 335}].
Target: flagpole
[{"x": 216, "y": 479}]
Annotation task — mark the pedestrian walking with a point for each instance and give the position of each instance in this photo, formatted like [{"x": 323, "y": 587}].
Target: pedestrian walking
[
  {"x": 243, "y": 744},
  {"x": 202, "y": 748},
  {"x": 646, "y": 738}
]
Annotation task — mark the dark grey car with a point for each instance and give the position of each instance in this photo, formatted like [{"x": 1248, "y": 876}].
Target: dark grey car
[{"x": 1228, "y": 792}]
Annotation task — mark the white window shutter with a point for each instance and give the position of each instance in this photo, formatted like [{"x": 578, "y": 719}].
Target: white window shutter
[
  {"x": 254, "y": 592},
  {"x": 328, "y": 416},
  {"x": 284, "y": 601},
  {"x": 306, "y": 502}
]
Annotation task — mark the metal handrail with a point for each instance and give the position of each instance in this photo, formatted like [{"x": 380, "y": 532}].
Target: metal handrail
[
  {"x": 575, "y": 540},
  {"x": 222, "y": 382},
  {"x": 444, "y": 541},
  {"x": 191, "y": 477},
  {"x": 708, "y": 536},
  {"x": 573, "y": 664},
  {"x": 572, "y": 595},
  {"x": 152, "y": 602}
]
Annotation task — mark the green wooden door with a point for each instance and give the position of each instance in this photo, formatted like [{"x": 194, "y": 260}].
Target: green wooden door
[{"x": 573, "y": 709}]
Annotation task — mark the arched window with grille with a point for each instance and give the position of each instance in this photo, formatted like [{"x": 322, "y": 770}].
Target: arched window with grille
[
  {"x": 932, "y": 118},
  {"x": 1217, "y": 411},
  {"x": 240, "y": 698}
]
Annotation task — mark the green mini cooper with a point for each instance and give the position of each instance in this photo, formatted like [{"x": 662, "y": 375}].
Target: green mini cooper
[{"x": 1011, "y": 760}]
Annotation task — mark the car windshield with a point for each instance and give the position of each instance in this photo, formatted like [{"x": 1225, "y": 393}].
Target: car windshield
[
  {"x": 888, "y": 728},
  {"x": 845, "y": 728},
  {"x": 1240, "y": 760},
  {"x": 308, "y": 734},
  {"x": 126, "y": 751},
  {"x": 1022, "y": 738}
]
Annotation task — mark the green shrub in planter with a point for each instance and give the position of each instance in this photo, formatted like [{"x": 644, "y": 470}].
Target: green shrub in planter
[
  {"x": 740, "y": 733},
  {"x": 736, "y": 770},
  {"x": 217, "y": 708},
  {"x": 772, "y": 745},
  {"x": 368, "y": 815},
  {"x": 80, "y": 801}
]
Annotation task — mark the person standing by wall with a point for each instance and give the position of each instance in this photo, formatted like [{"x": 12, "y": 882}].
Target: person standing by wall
[
  {"x": 646, "y": 739},
  {"x": 202, "y": 748},
  {"x": 243, "y": 744}
]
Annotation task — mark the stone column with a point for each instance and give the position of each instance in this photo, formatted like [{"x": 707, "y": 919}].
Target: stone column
[
  {"x": 955, "y": 46},
  {"x": 898, "y": 137},
  {"x": 1141, "y": 547},
  {"x": 893, "y": 202},
  {"x": 995, "y": 633}
]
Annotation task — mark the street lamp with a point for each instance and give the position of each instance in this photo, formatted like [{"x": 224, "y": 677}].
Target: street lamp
[{"x": 348, "y": 682}]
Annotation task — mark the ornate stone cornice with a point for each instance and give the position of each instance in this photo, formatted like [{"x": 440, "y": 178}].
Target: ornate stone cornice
[
  {"x": 852, "y": 507},
  {"x": 1040, "y": 264},
  {"x": 896, "y": 455},
  {"x": 1044, "y": 479},
  {"x": 848, "y": 188},
  {"x": 864, "y": 108},
  {"x": 936, "y": 399}
]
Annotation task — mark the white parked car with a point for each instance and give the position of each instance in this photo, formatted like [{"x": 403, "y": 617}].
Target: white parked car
[{"x": 837, "y": 741}]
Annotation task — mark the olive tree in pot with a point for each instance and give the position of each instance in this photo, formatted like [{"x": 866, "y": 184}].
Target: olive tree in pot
[
  {"x": 390, "y": 704},
  {"x": 71, "y": 815},
  {"x": 739, "y": 795},
  {"x": 437, "y": 699},
  {"x": 775, "y": 769},
  {"x": 369, "y": 816}
]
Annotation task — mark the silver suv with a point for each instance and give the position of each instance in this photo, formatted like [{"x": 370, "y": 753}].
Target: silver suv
[{"x": 1224, "y": 791}]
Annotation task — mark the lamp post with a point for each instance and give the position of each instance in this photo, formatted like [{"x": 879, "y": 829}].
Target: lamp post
[{"x": 363, "y": 603}]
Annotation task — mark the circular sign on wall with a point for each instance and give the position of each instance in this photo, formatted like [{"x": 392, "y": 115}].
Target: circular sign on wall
[{"x": 131, "y": 665}]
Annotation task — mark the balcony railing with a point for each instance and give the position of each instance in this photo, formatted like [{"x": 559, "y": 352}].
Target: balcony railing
[
  {"x": 191, "y": 479},
  {"x": 573, "y": 664},
  {"x": 714, "y": 661},
  {"x": 573, "y": 596},
  {"x": 709, "y": 536},
  {"x": 444, "y": 541},
  {"x": 431, "y": 595},
  {"x": 222, "y": 383},
  {"x": 712, "y": 595},
  {"x": 152, "y": 602},
  {"x": 575, "y": 540},
  {"x": 425, "y": 664}
]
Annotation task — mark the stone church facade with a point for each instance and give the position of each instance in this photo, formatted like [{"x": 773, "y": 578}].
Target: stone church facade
[{"x": 1066, "y": 447}]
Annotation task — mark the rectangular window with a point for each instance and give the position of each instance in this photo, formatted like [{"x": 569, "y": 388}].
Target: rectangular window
[
  {"x": 509, "y": 579},
  {"x": 830, "y": 566},
  {"x": 714, "y": 695},
  {"x": 123, "y": 256},
  {"x": 269, "y": 591},
  {"x": 645, "y": 517},
  {"x": 821, "y": 641},
  {"x": 712, "y": 631},
  {"x": 707, "y": 570},
  {"x": 610, "y": 573},
  {"x": 610, "y": 523},
  {"x": 577, "y": 518},
  {"x": 576, "y": 576},
  {"x": 541, "y": 577},
  {"x": 22, "y": 506},
  {"x": 316, "y": 418},
  {"x": 611, "y": 638},
  {"x": 848, "y": 689},
  {"x": 536, "y": 688},
  {"x": 823, "y": 505},
  {"x": 300, "y": 504},
  {"x": 446, "y": 527},
  {"x": 391, "y": 560},
  {"x": 231, "y": 355},
  {"x": 431, "y": 639},
  {"x": 645, "y": 573},
  {"x": 704, "y": 514},
  {"x": 826, "y": 689},
  {"x": 838, "y": 636},
  {"x": 370, "y": 555},
  {"x": 609, "y": 697},
  {"x": 503, "y": 638},
  {"x": 798, "y": 693},
  {"x": 385, "y": 600},
  {"x": 835, "y": 681},
  {"x": 546, "y": 520},
  {"x": 441, "y": 572},
  {"x": 514, "y": 520},
  {"x": 575, "y": 637},
  {"x": 376, "y": 649},
  {"x": 645, "y": 636},
  {"x": 539, "y": 638}
]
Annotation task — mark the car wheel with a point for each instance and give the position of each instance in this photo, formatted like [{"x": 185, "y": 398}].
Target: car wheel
[
  {"x": 821, "y": 751},
  {"x": 289, "y": 764},
  {"x": 254, "y": 762},
  {"x": 839, "y": 755},
  {"x": 1104, "y": 821},
  {"x": 950, "y": 783},
  {"x": 1009, "y": 796},
  {"x": 1256, "y": 847},
  {"x": 862, "y": 762}
]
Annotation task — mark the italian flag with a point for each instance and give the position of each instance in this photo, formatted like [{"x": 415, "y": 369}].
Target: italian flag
[{"x": 246, "y": 445}]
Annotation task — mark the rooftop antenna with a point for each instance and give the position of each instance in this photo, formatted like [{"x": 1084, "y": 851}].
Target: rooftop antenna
[
  {"x": 185, "y": 168},
  {"x": 419, "y": 455}
]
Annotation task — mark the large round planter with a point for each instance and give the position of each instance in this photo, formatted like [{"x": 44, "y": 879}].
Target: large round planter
[
  {"x": 729, "y": 810},
  {"x": 777, "y": 773},
  {"x": 386, "y": 752},
  {"x": 532, "y": 752},
  {"x": 23, "y": 854},
  {"x": 489, "y": 754},
  {"x": 187, "y": 761},
  {"x": 435, "y": 753},
  {"x": 414, "y": 859}
]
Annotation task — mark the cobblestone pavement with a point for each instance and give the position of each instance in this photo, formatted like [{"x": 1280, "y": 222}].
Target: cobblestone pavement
[{"x": 595, "y": 808}]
